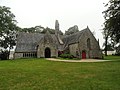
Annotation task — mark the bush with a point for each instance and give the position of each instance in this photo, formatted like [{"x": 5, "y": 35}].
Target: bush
[
  {"x": 67, "y": 56},
  {"x": 60, "y": 53},
  {"x": 4, "y": 55},
  {"x": 117, "y": 54}
]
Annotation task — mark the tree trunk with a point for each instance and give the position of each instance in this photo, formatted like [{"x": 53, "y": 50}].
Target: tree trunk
[
  {"x": 106, "y": 38},
  {"x": 8, "y": 52}
]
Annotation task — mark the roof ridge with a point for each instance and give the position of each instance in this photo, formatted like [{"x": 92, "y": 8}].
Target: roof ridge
[{"x": 29, "y": 33}]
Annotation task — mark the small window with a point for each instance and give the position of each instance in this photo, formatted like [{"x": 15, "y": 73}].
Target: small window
[
  {"x": 31, "y": 55},
  {"x": 23, "y": 54},
  {"x": 35, "y": 54},
  {"x": 27, "y": 54}
]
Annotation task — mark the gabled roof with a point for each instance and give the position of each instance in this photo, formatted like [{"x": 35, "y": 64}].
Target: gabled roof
[
  {"x": 29, "y": 37},
  {"x": 73, "y": 38},
  {"x": 27, "y": 42}
]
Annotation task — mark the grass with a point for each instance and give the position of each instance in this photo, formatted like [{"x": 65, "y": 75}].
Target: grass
[
  {"x": 40, "y": 74},
  {"x": 111, "y": 57}
]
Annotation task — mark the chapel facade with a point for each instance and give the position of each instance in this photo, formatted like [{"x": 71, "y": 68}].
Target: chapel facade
[{"x": 81, "y": 44}]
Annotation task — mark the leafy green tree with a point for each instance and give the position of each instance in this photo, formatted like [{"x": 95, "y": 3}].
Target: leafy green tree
[
  {"x": 36, "y": 29},
  {"x": 39, "y": 29},
  {"x": 112, "y": 21},
  {"x": 72, "y": 30},
  {"x": 7, "y": 28},
  {"x": 118, "y": 50},
  {"x": 29, "y": 30},
  {"x": 52, "y": 31},
  {"x": 106, "y": 34}
]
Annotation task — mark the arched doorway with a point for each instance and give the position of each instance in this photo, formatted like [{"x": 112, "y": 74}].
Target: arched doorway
[
  {"x": 47, "y": 53},
  {"x": 83, "y": 55}
]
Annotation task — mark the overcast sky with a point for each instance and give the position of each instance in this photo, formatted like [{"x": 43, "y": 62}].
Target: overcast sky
[{"x": 83, "y": 13}]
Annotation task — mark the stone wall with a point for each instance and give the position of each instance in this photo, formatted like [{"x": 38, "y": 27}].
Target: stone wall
[
  {"x": 18, "y": 55},
  {"x": 94, "y": 50},
  {"x": 73, "y": 49},
  {"x": 47, "y": 42},
  {"x": 41, "y": 51}
]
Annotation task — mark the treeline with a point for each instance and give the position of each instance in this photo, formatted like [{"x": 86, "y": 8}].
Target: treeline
[
  {"x": 111, "y": 30},
  {"x": 39, "y": 29}
]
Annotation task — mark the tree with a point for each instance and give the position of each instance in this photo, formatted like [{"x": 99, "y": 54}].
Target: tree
[
  {"x": 7, "y": 28},
  {"x": 106, "y": 34},
  {"x": 36, "y": 29},
  {"x": 118, "y": 50},
  {"x": 39, "y": 29},
  {"x": 112, "y": 22},
  {"x": 72, "y": 30},
  {"x": 52, "y": 31}
]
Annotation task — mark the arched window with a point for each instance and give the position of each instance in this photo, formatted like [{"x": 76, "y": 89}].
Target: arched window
[{"x": 88, "y": 43}]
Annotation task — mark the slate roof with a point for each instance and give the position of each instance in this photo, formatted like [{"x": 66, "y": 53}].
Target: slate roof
[
  {"x": 27, "y": 42},
  {"x": 73, "y": 38}
]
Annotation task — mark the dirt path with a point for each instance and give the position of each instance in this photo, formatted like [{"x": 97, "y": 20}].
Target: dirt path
[{"x": 82, "y": 60}]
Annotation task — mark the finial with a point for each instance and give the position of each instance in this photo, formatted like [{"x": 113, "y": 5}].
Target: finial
[
  {"x": 87, "y": 26},
  {"x": 56, "y": 25}
]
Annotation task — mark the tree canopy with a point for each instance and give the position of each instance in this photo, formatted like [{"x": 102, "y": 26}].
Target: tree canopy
[
  {"x": 112, "y": 19},
  {"x": 72, "y": 30},
  {"x": 112, "y": 22},
  {"x": 7, "y": 28},
  {"x": 39, "y": 29}
]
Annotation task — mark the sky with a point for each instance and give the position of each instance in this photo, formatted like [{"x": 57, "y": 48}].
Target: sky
[{"x": 30, "y": 13}]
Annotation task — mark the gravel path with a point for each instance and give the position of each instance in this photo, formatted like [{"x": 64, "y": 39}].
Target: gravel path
[{"x": 81, "y": 60}]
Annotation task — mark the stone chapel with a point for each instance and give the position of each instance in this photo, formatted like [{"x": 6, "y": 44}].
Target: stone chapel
[{"x": 81, "y": 44}]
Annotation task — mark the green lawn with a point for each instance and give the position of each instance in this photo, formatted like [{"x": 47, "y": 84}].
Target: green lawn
[
  {"x": 112, "y": 57},
  {"x": 40, "y": 74}
]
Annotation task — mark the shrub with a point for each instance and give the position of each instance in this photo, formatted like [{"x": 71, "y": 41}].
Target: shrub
[
  {"x": 4, "y": 55},
  {"x": 117, "y": 54},
  {"x": 67, "y": 56},
  {"x": 60, "y": 53}
]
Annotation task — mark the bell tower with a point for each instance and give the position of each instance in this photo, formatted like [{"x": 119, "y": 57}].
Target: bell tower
[{"x": 56, "y": 27}]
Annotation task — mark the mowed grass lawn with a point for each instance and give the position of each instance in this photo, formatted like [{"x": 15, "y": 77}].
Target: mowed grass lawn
[{"x": 40, "y": 74}]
